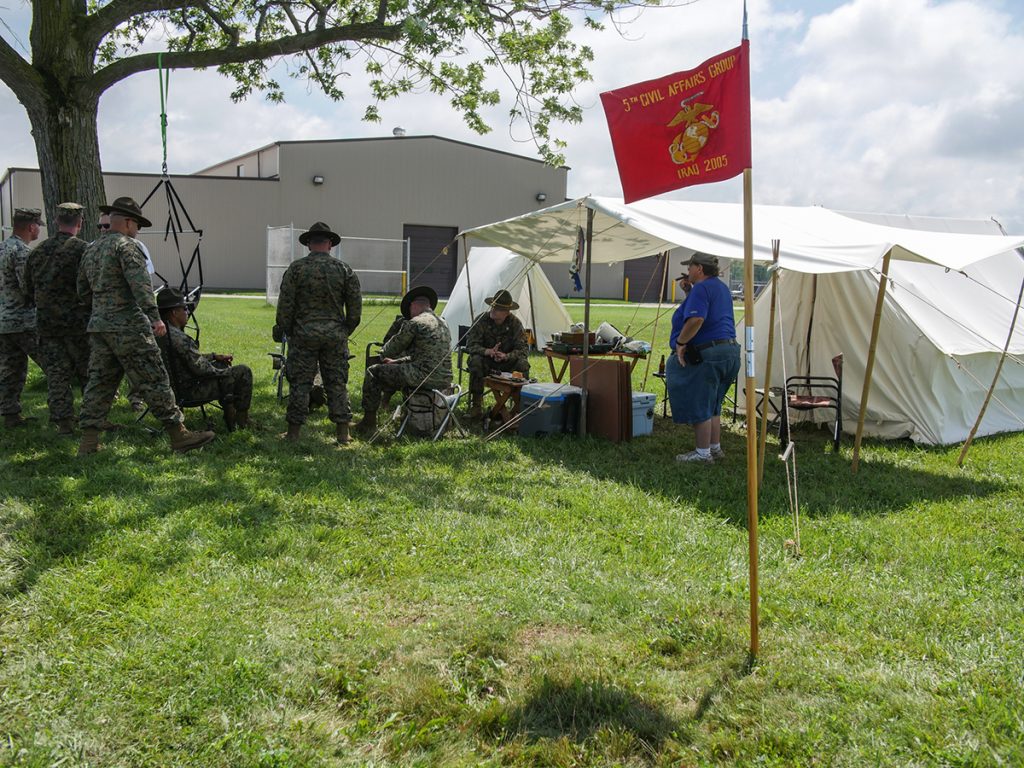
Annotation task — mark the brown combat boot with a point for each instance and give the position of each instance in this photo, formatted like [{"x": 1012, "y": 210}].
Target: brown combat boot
[
  {"x": 184, "y": 441},
  {"x": 90, "y": 442},
  {"x": 294, "y": 432},
  {"x": 368, "y": 425},
  {"x": 475, "y": 410},
  {"x": 230, "y": 417},
  {"x": 65, "y": 427},
  {"x": 341, "y": 434},
  {"x": 242, "y": 418}
]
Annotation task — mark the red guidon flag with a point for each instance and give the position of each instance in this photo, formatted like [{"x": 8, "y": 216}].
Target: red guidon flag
[{"x": 688, "y": 128}]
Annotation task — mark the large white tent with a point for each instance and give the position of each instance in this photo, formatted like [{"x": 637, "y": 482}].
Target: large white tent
[
  {"x": 942, "y": 331},
  {"x": 489, "y": 270}
]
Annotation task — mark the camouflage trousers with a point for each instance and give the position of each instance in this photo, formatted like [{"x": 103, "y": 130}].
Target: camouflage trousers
[
  {"x": 113, "y": 355},
  {"x": 15, "y": 350},
  {"x": 301, "y": 368},
  {"x": 480, "y": 367},
  {"x": 65, "y": 360},
  {"x": 381, "y": 379},
  {"x": 233, "y": 388}
]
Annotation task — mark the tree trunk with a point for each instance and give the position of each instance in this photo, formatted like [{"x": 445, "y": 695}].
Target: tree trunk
[{"x": 65, "y": 134}]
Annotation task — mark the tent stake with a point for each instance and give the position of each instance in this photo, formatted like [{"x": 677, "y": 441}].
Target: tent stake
[
  {"x": 748, "y": 343},
  {"x": 879, "y": 303},
  {"x": 768, "y": 366},
  {"x": 995, "y": 378}
]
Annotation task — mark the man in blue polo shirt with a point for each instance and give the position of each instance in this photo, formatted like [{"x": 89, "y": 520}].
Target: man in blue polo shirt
[{"x": 706, "y": 358}]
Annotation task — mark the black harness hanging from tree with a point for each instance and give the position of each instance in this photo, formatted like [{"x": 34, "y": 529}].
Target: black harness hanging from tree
[{"x": 176, "y": 214}]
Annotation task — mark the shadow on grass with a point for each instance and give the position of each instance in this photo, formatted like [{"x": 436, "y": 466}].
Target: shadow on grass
[
  {"x": 826, "y": 484},
  {"x": 579, "y": 709}
]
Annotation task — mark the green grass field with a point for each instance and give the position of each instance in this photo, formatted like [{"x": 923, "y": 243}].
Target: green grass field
[{"x": 551, "y": 602}]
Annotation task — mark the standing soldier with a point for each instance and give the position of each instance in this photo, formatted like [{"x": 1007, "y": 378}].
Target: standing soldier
[
  {"x": 496, "y": 342},
  {"x": 123, "y": 329},
  {"x": 17, "y": 315},
  {"x": 319, "y": 307},
  {"x": 418, "y": 356},
  {"x": 51, "y": 281}
]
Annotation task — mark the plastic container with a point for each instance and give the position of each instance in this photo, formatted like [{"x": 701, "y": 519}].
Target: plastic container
[
  {"x": 643, "y": 413},
  {"x": 547, "y": 408}
]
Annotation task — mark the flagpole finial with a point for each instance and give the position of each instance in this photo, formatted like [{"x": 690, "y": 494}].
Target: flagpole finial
[{"x": 745, "y": 20}]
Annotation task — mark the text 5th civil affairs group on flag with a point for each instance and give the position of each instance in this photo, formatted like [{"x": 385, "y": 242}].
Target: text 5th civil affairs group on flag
[{"x": 687, "y": 128}]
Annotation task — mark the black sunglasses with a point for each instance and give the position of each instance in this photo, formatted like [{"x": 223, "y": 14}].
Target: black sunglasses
[{"x": 103, "y": 226}]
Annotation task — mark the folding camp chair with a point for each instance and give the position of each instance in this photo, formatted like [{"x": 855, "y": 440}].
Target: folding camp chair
[
  {"x": 436, "y": 403},
  {"x": 809, "y": 393},
  {"x": 173, "y": 376}
]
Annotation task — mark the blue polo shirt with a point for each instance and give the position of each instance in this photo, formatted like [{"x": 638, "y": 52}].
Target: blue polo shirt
[
  {"x": 711, "y": 300},
  {"x": 678, "y": 320}
]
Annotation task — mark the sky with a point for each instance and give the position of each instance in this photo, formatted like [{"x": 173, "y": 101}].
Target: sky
[{"x": 896, "y": 106}]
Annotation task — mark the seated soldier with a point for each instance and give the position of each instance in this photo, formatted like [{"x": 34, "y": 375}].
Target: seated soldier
[
  {"x": 495, "y": 342},
  {"x": 417, "y": 356},
  {"x": 203, "y": 377}
]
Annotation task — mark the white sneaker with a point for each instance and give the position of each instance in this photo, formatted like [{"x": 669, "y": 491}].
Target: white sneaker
[
  {"x": 717, "y": 454},
  {"x": 694, "y": 456}
]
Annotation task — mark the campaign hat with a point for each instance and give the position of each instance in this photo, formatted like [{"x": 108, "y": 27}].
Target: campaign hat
[
  {"x": 321, "y": 229},
  {"x": 501, "y": 300},
  {"x": 126, "y": 206},
  {"x": 170, "y": 298},
  {"x": 415, "y": 293}
]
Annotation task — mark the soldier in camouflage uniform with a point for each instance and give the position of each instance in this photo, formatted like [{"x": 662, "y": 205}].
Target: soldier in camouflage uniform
[
  {"x": 202, "y": 378},
  {"x": 123, "y": 328},
  {"x": 418, "y": 356},
  {"x": 495, "y": 342},
  {"x": 51, "y": 280},
  {"x": 319, "y": 307},
  {"x": 17, "y": 315}
]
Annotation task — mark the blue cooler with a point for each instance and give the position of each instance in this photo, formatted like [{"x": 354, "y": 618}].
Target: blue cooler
[
  {"x": 547, "y": 408},
  {"x": 643, "y": 413}
]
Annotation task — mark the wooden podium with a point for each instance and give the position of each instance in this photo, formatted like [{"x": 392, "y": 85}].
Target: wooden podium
[{"x": 609, "y": 396}]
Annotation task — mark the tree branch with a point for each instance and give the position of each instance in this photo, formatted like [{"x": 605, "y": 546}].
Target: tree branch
[
  {"x": 107, "y": 18},
  {"x": 253, "y": 51},
  {"x": 19, "y": 75}
]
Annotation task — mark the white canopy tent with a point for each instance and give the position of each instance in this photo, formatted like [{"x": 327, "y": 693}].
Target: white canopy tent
[
  {"x": 938, "y": 327},
  {"x": 489, "y": 270}
]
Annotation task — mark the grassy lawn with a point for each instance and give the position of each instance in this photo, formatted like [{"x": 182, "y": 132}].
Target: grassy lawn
[{"x": 553, "y": 602}]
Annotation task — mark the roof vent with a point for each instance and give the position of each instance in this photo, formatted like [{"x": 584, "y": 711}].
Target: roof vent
[{"x": 398, "y": 131}]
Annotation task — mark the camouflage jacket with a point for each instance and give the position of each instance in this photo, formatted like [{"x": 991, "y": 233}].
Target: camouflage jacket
[
  {"x": 113, "y": 280},
  {"x": 186, "y": 363},
  {"x": 17, "y": 313},
  {"x": 426, "y": 344},
  {"x": 51, "y": 280},
  {"x": 510, "y": 337},
  {"x": 320, "y": 299}
]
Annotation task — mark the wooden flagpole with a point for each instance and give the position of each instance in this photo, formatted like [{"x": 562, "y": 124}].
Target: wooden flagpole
[
  {"x": 879, "y": 303},
  {"x": 766, "y": 400},
  {"x": 748, "y": 346}
]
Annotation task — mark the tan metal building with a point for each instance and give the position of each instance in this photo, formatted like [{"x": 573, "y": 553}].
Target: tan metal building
[{"x": 423, "y": 189}]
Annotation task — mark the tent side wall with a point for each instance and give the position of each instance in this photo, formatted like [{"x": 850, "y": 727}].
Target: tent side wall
[{"x": 917, "y": 392}]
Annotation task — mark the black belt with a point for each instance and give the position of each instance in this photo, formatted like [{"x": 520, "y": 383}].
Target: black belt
[{"x": 714, "y": 343}]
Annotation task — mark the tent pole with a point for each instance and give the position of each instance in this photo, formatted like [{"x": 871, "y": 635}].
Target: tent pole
[
  {"x": 529, "y": 292},
  {"x": 879, "y": 303},
  {"x": 748, "y": 345},
  {"x": 768, "y": 367},
  {"x": 654, "y": 333},
  {"x": 469, "y": 285},
  {"x": 995, "y": 378},
  {"x": 586, "y": 321}
]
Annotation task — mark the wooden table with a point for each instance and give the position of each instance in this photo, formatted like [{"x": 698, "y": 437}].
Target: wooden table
[
  {"x": 556, "y": 376},
  {"x": 506, "y": 392}
]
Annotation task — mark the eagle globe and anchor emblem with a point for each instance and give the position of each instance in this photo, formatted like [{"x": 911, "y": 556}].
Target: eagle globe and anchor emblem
[{"x": 698, "y": 121}]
